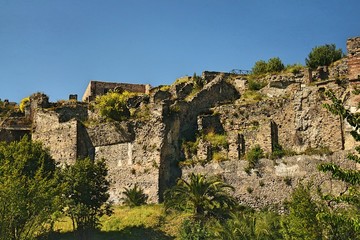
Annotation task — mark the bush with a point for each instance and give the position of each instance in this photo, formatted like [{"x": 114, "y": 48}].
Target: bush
[
  {"x": 29, "y": 190},
  {"x": 113, "y": 105},
  {"x": 271, "y": 66},
  {"x": 274, "y": 65},
  {"x": 260, "y": 67},
  {"x": 86, "y": 193},
  {"x": 323, "y": 56},
  {"x": 255, "y": 85},
  {"x": 254, "y": 155},
  {"x": 24, "y": 102},
  {"x": 134, "y": 196},
  {"x": 193, "y": 230},
  {"x": 216, "y": 140}
]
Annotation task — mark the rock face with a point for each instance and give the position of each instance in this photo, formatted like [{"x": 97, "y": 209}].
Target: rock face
[{"x": 220, "y": 121}]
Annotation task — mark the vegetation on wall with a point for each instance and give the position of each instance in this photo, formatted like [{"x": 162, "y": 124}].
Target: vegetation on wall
[
  {"x": 323, "y": 56},
  {"x": 273, "y": 65},
  {"x": 113, "y": 105},
  {"x": 24, "y": 102}
]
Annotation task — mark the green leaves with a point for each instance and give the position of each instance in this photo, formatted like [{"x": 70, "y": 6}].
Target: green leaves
[
  {"x": 134, "y": 196},
  {"x": 29, "y": 189},
  {"x": 113, "y": 105},
  {"x": 85, "y": 193},
  {"x": 323, "y": 56},
  {"x": 203, "y": 196},
  {"x": 273, "y": 65}
]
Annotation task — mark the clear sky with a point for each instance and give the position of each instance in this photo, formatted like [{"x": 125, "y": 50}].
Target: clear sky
[{"x": 58, "y": 46}]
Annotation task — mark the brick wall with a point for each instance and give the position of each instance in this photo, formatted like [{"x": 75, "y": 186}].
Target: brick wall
[{"x": 353, "y": 48}]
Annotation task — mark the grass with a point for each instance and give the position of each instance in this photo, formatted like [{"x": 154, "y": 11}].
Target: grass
[
  {"x": 143, "y": 222},
  {"x": 216, "y": 140},
  {"x": 250, "y": 96}
]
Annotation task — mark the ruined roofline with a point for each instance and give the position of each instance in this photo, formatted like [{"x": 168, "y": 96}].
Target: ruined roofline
[{"x": 96, "y": 88}]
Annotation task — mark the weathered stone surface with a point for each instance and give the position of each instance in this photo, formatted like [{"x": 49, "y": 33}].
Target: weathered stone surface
[
  {"x": 272, "y": 182},
  {"x": 111, "y": 133},
  {"x": 146, "y": 151}
]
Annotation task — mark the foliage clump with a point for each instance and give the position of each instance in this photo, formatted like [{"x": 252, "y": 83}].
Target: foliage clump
[
  {"x": 134, "y": 196},
  {"x": 29, "y": 190},
  {"x": 113, "y": 105},
  {"x": 323, "y": 56},
  {"x": 86, "y": 193},
  {"x": 273, "y": 65},
  {"x": 216, "y": 140},
  {"x": 253, "y": 156},
  {"x": 24, "y": 102}
]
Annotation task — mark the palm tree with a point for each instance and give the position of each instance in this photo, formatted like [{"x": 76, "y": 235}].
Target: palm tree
[
  {"x": 203, "y": 196},
  {"x": 134, "y": 196}
]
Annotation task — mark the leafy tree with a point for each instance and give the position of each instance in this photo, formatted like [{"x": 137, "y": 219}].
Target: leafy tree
[
  {"x": 260, "y": 67},
  {"x": 351, "y": 196},
  {"x": 301, "y": 222},
  {"x": 134, "y": 196},
  {"x": 113, "y": 105},
  {"x": 86, "y": 193},
  {"x": 29, "y": 190},
  {"x": 323, "y": 56},
  {"x": 203, "y": 196},
  {"x": 274, "y": 65}
]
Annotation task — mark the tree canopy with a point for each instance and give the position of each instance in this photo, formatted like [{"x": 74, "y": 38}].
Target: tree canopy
[
  {"x": 29, "y": 189},
  {"x": 86, "y": 193},
  {"x": 323, "y": 56}
]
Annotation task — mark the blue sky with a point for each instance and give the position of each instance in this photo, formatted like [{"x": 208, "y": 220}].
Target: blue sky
[{"x": 58, "y": 46}]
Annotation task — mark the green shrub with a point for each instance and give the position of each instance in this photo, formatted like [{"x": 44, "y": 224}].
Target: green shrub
[
  {"x": 318, "y": 151},
  {"x": 216, "y": 140},
  {"x": 134, "y": 196},
  {"x": 113, "y": 105},
  {"x": 260, "y": 67},
  {"x": 190, "y": 147},
  {"x": 193, "y": 230},
  {"x": 255, "y": 85},
  {"x": 219, "y": 157},
  {"x": 253, "y": 156},
  {"x": 323, "y": 56},
  {"x": 274, "y": 65},
  {"x": 24, "y": 102}
]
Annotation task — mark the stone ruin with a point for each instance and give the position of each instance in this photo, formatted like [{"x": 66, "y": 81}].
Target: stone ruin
[{"x": 148, "y": 149}]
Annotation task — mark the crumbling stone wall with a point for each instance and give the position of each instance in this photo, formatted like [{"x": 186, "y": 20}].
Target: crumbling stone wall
[
  {"x": 96, "y": 88},
  {"x": 60, "y": 138},
  {"x": 273, "y": 181},
  {"x": 353, "y": 49}
]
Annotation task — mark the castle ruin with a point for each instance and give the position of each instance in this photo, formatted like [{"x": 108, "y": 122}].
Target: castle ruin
[{"x": 148, "y": 149}]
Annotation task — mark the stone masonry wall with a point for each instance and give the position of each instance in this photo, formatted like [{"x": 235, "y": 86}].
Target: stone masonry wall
[
  {"x": 60, "y": 138},
  {"x": 273, "y": 181},
  {"x": 132, "y": 152},
  {"x": 353, "y": 48},
  {"x": 96, "y": 88}
]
